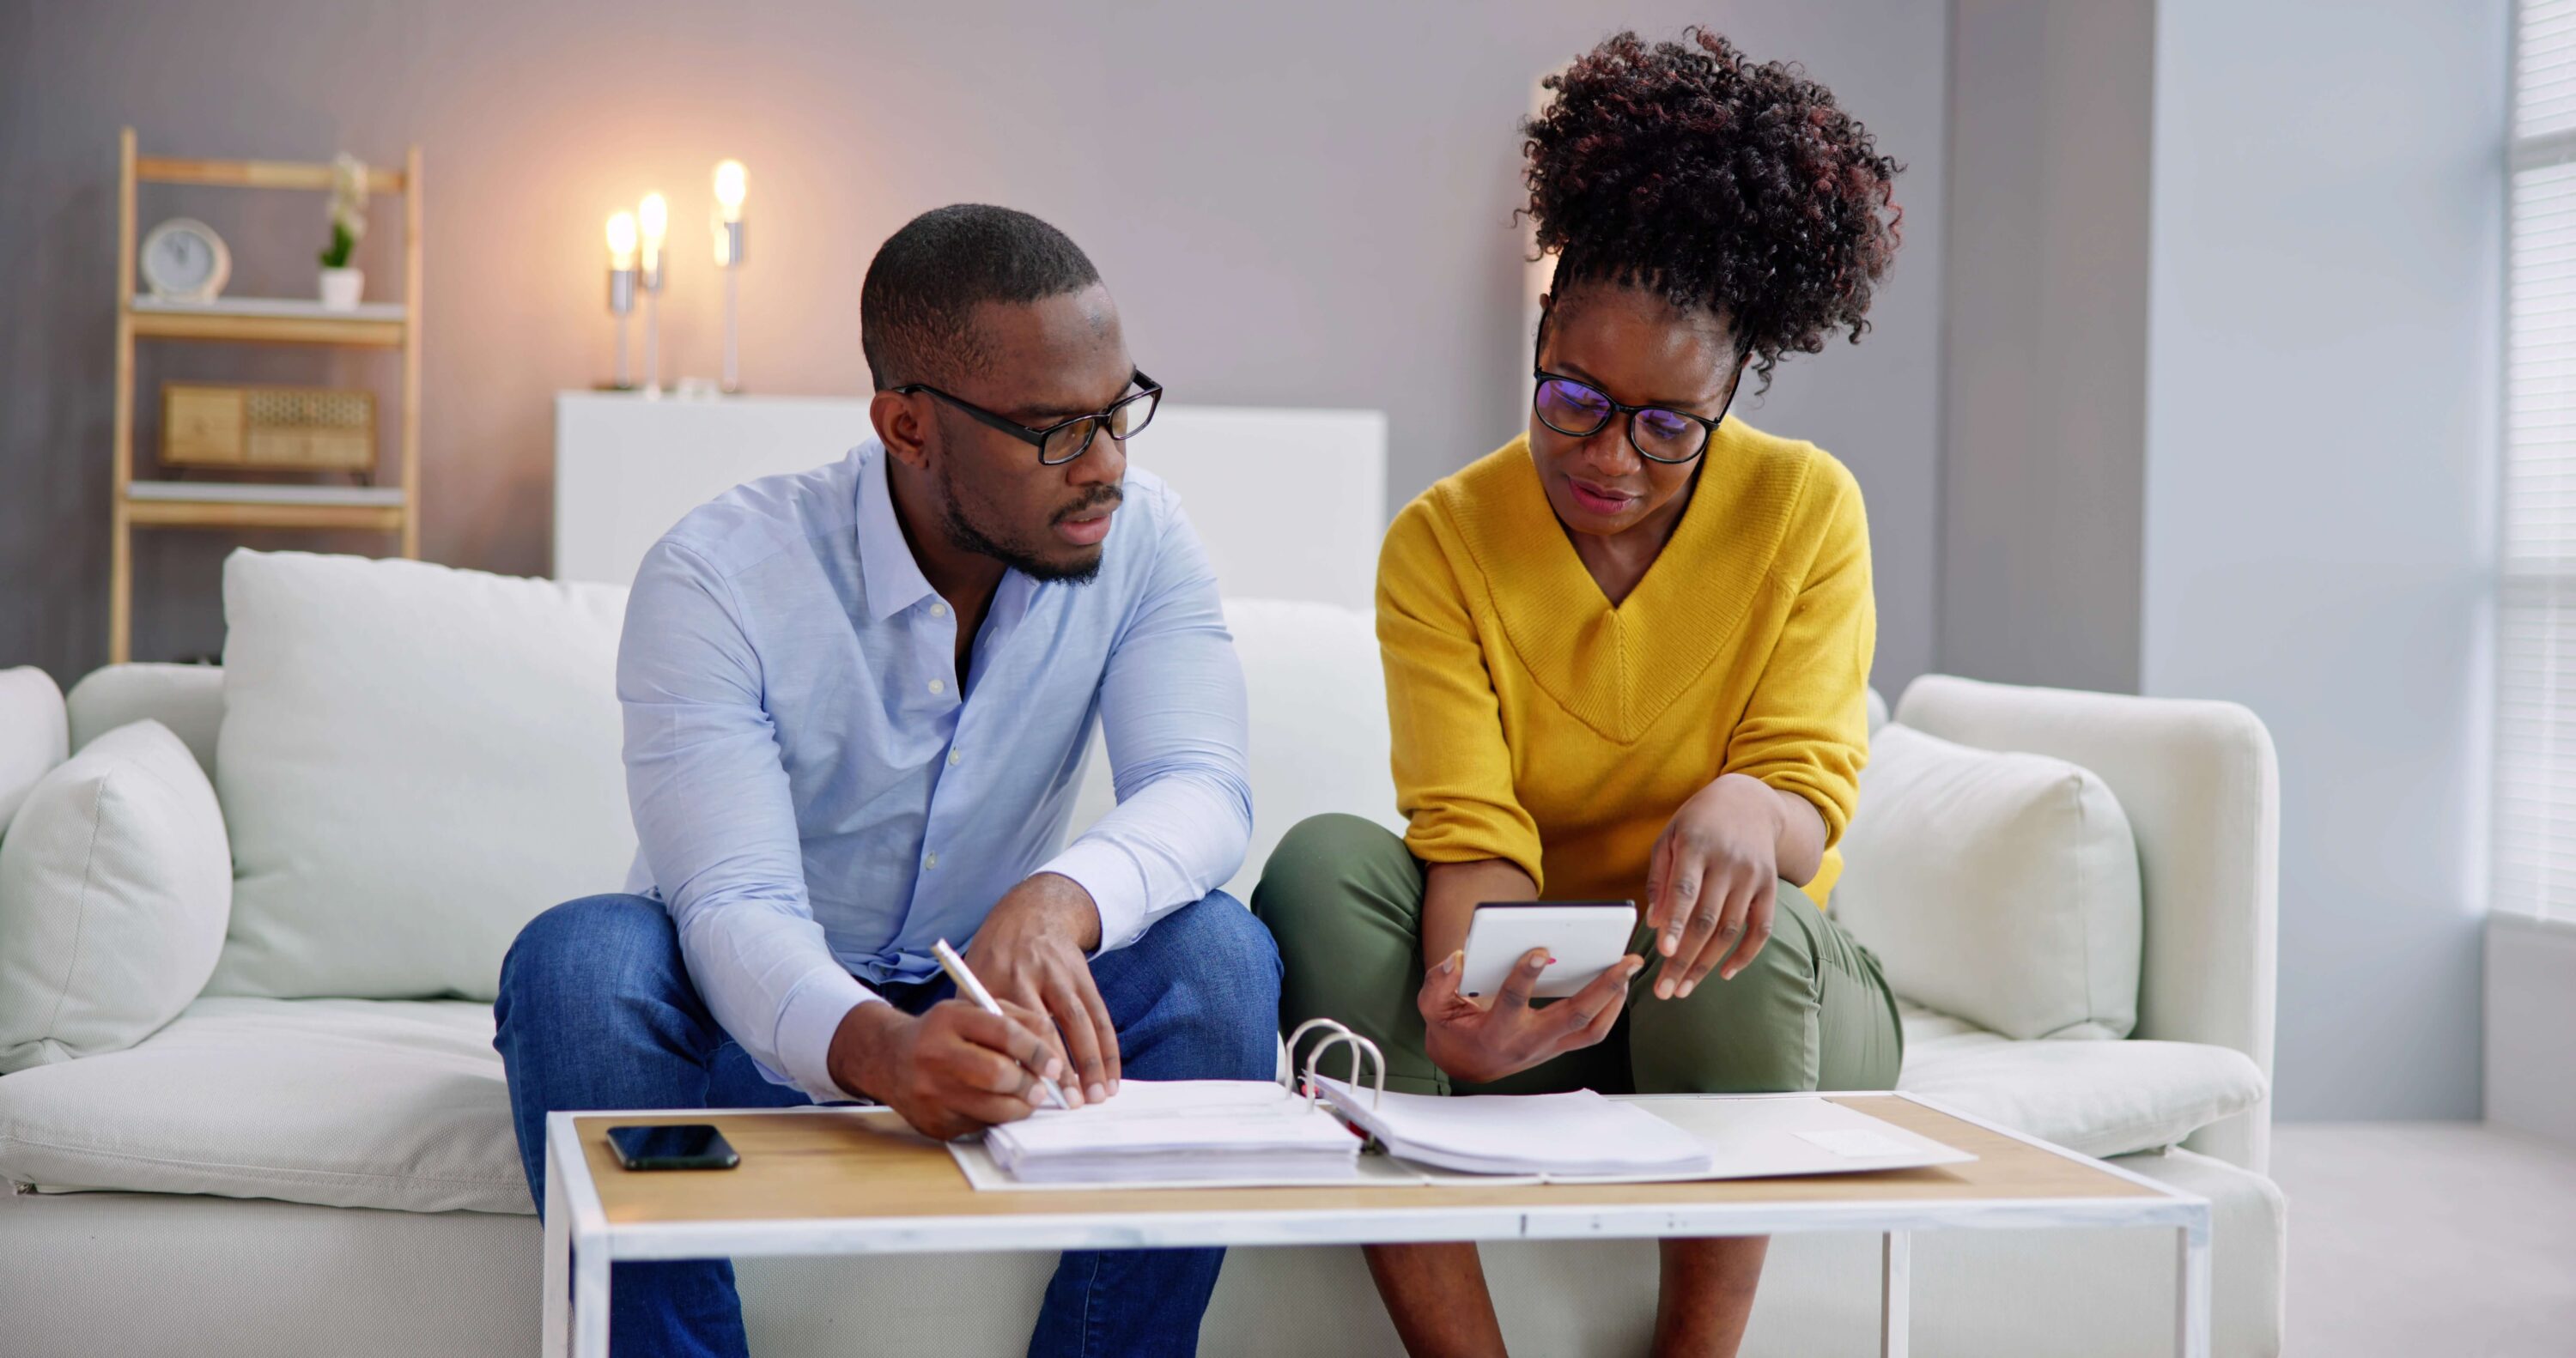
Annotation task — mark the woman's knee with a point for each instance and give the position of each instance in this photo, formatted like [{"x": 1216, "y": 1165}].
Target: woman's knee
[
  {"x": 1320, "y": 861},
  {"x": 1753, "y": 1032}
]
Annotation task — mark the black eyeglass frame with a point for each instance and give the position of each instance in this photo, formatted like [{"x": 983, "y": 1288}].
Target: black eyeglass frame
[
  {"x": 1707, "y": 426},
  {"x": 1150, "y": 392}
]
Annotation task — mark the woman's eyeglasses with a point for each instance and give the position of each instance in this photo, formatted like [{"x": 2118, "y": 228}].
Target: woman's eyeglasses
[
  {"x": 1065, "y": 440},
  {"x": 1658, "y": 433}
]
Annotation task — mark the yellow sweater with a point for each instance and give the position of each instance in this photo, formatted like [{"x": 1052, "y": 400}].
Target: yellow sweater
[{"x": 1534, "y": 722}]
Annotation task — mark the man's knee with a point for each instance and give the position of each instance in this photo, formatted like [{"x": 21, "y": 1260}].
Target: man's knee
[
  {"x": 589, "y": 950},
  {"x": 1221, "y": 972}
]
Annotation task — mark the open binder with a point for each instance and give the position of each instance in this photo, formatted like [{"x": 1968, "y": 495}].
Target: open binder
[{"x": 1217, "y": 1133}]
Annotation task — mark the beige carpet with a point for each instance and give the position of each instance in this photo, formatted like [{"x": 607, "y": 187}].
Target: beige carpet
[{"x": 2428, "y": 1238}]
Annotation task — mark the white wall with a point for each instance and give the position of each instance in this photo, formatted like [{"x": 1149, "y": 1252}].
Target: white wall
[{"x": 2324, "y": 317}]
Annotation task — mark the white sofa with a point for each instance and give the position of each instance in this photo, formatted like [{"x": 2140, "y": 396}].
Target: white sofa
[{"x": 211, "y": 1191}]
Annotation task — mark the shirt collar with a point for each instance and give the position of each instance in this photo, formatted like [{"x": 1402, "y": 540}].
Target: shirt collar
[{"x": 889, "y": 577}]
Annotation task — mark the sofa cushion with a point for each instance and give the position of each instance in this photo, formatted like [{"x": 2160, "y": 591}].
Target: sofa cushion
[
  {"x": 1317, "y": 697},
  {"x": 2101, "y": 1098},
  {"x": 1999, "y": 887},
  {"x": 114, "y": 887},
  {"x": 342, "y": 1103},
  {"x": 414, "y": 761},
  {"x": 34, "y": 734}
]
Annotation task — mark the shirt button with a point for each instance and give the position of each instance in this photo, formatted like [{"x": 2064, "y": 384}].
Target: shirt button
[
  {"x": 953, "y": 757},
  {"x": 930, "y": 860},
  {"x": 939, "y": 686},
  {"x": 939, "y": 610}
]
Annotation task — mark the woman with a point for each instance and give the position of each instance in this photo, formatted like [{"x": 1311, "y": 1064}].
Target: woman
[{"x": 1627, "y": 657}]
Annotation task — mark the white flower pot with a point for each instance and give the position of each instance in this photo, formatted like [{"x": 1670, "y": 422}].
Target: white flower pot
[{"x": 341, "y": 288}]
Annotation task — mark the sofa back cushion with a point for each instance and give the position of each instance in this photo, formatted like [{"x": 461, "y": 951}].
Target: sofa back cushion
[
  {"x": 1999, "y": 887},
  {"x": 34, "y": 734},
  {"x": 114, "y": 887},
  {"x": 1317, "y": 698},
  {"x": 414, "y": 761}
]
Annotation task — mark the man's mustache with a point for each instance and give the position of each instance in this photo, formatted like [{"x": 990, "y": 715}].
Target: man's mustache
[{"x": 1107, "y": 497}]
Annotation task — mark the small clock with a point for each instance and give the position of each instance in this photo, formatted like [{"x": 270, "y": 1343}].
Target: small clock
[{"x": 185, "y": 261}]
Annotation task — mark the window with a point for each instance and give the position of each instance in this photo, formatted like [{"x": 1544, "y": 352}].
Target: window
[{"x": 2535, "y": 805}]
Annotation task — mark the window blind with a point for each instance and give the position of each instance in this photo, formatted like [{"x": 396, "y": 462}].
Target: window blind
[{"x": 2535, "y": 766}]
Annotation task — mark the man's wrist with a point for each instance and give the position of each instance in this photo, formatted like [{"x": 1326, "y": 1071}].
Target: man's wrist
[
  {"x": 860, "y": 1046},
  {"x": 1068, "y": 904}
]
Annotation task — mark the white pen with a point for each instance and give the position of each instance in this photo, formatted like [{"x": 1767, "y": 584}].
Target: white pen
[{"x": 974, "y": 990}]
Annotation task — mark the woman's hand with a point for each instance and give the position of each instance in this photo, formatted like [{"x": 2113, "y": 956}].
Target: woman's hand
[
  {"x": 1710, "y": 885},
  {"x": 1480, "y": 1043}
]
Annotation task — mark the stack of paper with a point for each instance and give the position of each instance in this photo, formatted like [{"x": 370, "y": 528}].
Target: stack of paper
[
  {"x": 1210, "y": 1129},
  {"x": 1580, "y": 1133}
]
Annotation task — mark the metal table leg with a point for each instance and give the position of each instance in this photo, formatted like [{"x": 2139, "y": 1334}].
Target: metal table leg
[
  {"x": 555, "y": 1327},
  {"x": 590, "y": 1298},
  {"x": 2191, "y": 1289},
  {"x": 1895, "y": 1293}
]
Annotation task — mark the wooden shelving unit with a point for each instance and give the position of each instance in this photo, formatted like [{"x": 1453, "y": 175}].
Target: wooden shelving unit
[{"x": 253, "y": 320}]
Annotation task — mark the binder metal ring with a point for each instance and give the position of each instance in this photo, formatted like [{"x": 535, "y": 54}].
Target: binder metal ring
[{"x": 1357, "y": 1044}]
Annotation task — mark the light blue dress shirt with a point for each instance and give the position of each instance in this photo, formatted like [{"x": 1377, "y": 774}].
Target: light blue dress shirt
[{"x": 817, "y": 799}]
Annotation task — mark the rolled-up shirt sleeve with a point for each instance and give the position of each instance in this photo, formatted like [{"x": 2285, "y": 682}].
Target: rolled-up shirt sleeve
[
  {"x": 717, "y": 824},
  {"x": 1173, "y": 711}
]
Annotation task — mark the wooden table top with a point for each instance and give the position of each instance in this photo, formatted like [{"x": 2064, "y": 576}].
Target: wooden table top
[{"x": 864, "y": 1163}]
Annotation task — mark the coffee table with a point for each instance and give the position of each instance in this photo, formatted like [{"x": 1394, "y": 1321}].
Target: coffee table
[{"x": 856, "y": 1181}]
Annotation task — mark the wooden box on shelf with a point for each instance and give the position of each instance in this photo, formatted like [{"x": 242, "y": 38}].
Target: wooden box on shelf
[{"x": 271, "y": 427}]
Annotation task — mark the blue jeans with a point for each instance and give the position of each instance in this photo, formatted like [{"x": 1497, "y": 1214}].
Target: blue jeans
[{"x": 596, "y": 1010}]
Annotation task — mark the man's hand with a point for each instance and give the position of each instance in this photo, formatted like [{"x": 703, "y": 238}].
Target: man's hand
[
  {"x": 1711, "y": 882},
  {"x": 1482, "y": 1043},
  {"x": 953, "y": 1070},
  {"x": 1034, "y": 950}
]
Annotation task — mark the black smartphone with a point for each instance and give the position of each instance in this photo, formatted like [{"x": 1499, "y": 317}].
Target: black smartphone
[{"x": 687, "y": 1145}]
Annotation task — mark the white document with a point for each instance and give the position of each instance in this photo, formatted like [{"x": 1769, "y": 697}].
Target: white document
[
  {"x": 1579, "y": 1134},
  {"x": 1528, "y": 1139},
  {"x": 1231, "y": 1129}
]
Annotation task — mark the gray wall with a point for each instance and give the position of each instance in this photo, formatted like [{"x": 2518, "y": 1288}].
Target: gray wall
[
  {"x": 2045, "y": 335},
  {"x": 2221, "y": 399},
  {"x": 1307, "y": 206},
  {"x": 2321, "y": 455}
]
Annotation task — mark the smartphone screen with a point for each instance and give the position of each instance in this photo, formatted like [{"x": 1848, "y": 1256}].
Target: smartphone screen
[{"x": 689, "y": 1145}]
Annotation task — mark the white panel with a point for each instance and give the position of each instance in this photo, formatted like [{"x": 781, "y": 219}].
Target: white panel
[
  {"x": 2544, "y": 68},
  {"x": 2535, "y": 768},
  {"x": 1291, "y": 503}
]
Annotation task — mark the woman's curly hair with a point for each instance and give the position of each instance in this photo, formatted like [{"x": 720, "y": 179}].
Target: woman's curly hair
[{"x": 1717, "y": 181}]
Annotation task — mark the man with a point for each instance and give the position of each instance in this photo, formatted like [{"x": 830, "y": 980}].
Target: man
[{"x": 857, "y": 700}]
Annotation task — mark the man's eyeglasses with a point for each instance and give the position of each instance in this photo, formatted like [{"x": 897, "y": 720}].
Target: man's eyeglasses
[
  {"x": 1658, "y": 433},
  {"x": 1065, "y": 440}
]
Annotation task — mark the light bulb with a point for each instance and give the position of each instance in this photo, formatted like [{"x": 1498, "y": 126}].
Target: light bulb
[
  {"x": 653, "y": 215},
  {"x": 621, "y": 240},
  {"x": 729, "y": 190}
]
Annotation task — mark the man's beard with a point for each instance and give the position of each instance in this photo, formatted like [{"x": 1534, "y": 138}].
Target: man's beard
[{"x": 1020, "y": 556}]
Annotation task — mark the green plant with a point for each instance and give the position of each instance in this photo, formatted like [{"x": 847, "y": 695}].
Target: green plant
[
  {"x": 336, "y": 254},
  {"x": 348, "y": 210}
]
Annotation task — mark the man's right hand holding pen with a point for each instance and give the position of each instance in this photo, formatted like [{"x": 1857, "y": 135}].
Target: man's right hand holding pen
[{"x": 953, "y": 1069}]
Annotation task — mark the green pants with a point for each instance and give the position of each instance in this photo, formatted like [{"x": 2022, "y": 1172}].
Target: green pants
[{"x": 1344, "y": 899}]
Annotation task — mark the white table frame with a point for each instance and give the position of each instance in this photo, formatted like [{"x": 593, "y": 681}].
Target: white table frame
[{"x": 581, "y": 1242}]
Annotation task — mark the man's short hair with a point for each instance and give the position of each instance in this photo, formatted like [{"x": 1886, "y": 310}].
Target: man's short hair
[{"x": 917, "y": 307}]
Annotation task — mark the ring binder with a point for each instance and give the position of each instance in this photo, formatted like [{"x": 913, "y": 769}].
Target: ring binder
[{"x": 1337, "y": 1034}]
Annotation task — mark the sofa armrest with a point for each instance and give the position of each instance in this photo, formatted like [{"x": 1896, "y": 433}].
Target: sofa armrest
[
  {"x": 189, "y": 699},
  {"x": 2201, "y": 787}
]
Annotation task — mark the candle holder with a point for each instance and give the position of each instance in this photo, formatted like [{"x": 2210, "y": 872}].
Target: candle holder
[
  {"x": 650, "y": 279},
  {"x": 729, "y": 243},
  {"x": 621, "y": 304},
  {"x": 731, "y": 180}
]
